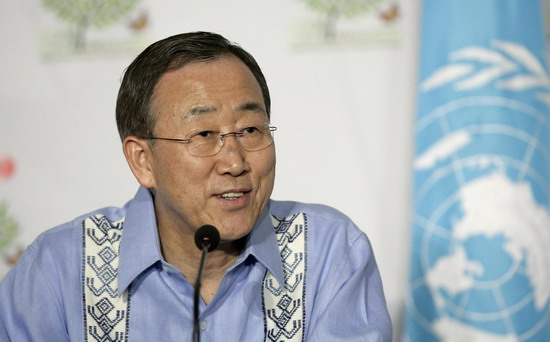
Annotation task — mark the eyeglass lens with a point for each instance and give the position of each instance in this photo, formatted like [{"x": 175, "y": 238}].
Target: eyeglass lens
[{"x": 250, "y": 139}]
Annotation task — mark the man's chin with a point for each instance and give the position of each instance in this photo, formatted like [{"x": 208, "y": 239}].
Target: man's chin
[
  {"x": 233, "y": 236},
  {"x": 233, "y": 232},
  {"x": 234, "y": 244}
]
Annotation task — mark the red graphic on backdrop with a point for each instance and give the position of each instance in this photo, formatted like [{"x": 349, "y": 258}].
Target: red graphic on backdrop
[{"x": 7, "y": 167}]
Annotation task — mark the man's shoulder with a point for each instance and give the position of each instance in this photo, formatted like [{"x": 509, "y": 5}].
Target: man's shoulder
[
  {"x": 288, "y": 208},
  {"x": 321, "y": 219},
  {"x": 68, "y": 234},
  {"x": 333, "y": 240}
]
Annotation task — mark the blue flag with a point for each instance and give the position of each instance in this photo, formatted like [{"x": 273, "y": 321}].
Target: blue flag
[{"x": 480, "y": 264}]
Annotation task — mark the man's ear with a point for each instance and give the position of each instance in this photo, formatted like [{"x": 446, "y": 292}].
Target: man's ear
[{"x": 139, "y": 157}]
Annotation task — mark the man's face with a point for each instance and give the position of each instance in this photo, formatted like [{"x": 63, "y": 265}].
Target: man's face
[{"x": 230, "y": 189}]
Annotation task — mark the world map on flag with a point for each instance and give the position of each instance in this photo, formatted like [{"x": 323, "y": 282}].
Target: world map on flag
[{"x": 482, "y": 200}]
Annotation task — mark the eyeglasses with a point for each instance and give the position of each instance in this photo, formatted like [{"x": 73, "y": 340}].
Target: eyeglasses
[{"x": 209, "y": 143}]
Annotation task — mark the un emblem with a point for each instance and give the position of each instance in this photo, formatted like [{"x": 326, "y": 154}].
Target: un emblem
[{"x": 482, "y": 223}]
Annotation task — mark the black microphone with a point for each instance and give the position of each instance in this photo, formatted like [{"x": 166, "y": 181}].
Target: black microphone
[{"x": 207, "y": 239}]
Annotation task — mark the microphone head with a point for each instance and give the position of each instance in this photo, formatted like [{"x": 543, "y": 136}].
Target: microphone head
[{"x": 207, "y": 235}]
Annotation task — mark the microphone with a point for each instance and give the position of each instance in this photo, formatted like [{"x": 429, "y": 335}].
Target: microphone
[
  {"x": 207, "y": 236},
  {"x": 207, "y": 239}
]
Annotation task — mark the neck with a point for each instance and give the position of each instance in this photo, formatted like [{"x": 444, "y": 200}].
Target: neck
[{"x": 179, "y": 250}]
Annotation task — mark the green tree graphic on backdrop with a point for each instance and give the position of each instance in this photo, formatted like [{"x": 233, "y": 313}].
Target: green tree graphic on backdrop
[
  {"x": 84, "y": 14},
  {"x": 336, "y": 9},
  {"x": 8, "y": 228}
]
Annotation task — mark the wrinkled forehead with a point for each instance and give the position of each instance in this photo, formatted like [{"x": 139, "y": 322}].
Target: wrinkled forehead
[{"x": 206, "y": 89}]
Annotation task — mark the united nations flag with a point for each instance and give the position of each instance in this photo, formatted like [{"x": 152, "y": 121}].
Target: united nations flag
[{"x": 480, "y": 265}]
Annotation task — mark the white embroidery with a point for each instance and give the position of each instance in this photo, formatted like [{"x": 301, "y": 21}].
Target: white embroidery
[
  {"x": 106, "y": 314},
  {"x": 284, "y": 306}
]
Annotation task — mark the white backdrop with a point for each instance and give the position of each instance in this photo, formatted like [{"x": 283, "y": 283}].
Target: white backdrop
[{"x": 344, "y": 110}]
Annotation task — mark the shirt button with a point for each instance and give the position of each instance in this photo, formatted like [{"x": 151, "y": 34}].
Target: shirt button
[{"x": 203, "y": 325}]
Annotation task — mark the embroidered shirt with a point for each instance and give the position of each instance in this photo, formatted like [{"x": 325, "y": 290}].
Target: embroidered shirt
[{"x": 41, "y": 298}]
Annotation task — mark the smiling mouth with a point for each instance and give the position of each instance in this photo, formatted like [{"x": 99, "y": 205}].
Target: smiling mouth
[{"x": 231, "y": 196}]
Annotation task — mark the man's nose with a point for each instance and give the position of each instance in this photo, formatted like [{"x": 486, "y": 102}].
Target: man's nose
[{"x": 232, "y": 157}]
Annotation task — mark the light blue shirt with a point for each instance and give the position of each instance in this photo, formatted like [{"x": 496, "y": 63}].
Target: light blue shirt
[{"x": 41, "y": 297}]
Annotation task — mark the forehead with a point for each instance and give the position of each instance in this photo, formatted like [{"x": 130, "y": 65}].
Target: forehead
[{"x": 212, "y": 87}]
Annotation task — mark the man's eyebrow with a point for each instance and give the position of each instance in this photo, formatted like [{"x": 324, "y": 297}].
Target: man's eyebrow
[
  {"x": 251, "y": 107},
  {"x": 199, "y": 110}
]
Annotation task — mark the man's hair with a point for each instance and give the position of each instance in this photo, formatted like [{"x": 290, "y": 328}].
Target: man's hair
[{"x": 133, "y": 108}]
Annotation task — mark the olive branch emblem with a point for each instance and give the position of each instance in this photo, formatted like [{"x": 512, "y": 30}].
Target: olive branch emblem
[{"x": 509, "y": 66}]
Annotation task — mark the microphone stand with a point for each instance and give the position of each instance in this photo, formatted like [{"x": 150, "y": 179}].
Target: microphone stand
[
  {"x": 207, "y": 239},
  {"x": 196, "y": 327}
]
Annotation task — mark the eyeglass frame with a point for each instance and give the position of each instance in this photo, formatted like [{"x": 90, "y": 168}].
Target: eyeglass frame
[{"x": 221, "y": 136}]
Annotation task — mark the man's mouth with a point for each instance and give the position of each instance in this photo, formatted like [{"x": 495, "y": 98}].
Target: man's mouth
[{"x": 232, "y": 195}]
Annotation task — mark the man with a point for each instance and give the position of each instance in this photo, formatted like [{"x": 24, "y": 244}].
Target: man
[{"x": 193, "y": 115}]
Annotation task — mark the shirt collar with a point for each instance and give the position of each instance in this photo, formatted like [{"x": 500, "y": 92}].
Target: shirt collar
[
  {"x": 262, "y": 244},
  {"x": 140, "y": 246}
]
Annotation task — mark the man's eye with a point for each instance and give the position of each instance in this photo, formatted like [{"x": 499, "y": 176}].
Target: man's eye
[
  {"x": 204, "y": 134},
  {"x": 250, "y": 130}
]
